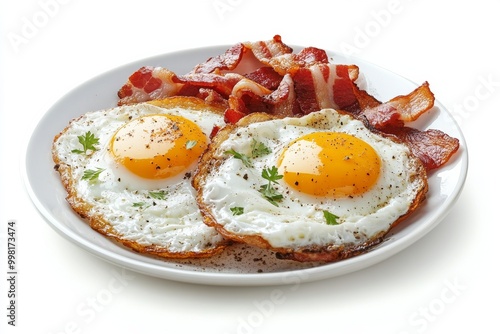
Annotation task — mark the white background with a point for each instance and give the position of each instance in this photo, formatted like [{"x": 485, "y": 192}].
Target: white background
[{"x": 453, "y": 46}]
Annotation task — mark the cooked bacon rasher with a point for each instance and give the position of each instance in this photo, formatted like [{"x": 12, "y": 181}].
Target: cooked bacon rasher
[{"x": 268, "y": 76}]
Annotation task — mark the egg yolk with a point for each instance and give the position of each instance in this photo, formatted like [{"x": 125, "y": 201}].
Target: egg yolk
[
  {"x": 329, "y": 164},
  {"x": 158, "y": 146}
]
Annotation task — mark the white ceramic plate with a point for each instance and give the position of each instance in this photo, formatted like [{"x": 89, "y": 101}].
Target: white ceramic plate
[{"x": 239, "y": 265}]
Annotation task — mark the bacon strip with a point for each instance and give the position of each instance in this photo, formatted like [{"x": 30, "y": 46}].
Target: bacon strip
[
  {"x": 266, "y": 77},
  {"x": 265, "y": 51},
  {"x": 365, "y": 100},
  {"x": 343, "y": 88},
  {"x": 398, "y": 110},
  {"x": 284, "y": 99},
  {"x": 227, "y": 61},
  {"x": 326, "y": 86},
  {"x": 413, "y": 105},
  {"x": 222, "y": 84},
  {"x": 382, "y": 116},
  {"x": 148, "y": 83},
  {"x": 311, "y": 56},
  {"x": 291, "y": 62},
  {"x": 306, "y": 93},
  {"x": 433, "y": 147},
  {"x": 248, "y": 96}
]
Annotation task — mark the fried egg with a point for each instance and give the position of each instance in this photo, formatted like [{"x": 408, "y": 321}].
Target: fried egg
[
  {"x": 320, "y": 187},
  {"x": 128, "y": 170}
]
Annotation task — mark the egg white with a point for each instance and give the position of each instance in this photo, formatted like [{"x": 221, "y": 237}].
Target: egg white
[
  {"x": 126, "y": 201},
  {"x": 299, "y": 220}
]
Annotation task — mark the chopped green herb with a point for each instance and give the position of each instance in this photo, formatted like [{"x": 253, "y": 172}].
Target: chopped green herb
[
  {"x": 331, "y": 219},
  {"x": 160, "y": 195},
  {"x": 190, "y": 144},
  {"x": 259, "y": 149},
  {"x": 237, "y": 210},
  {"x": 88, "y": 142},
  {"x": 270, "y": 193},
  {"x": 138, "y": 204},
  {"x": 91, "y": 174},
  {"x": 243, "y": 157},
  {"x": 271, "y": 174}
]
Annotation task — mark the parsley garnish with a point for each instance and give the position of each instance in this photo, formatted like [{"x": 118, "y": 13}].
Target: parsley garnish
[
  {"x": 138, "y": 204},
  {"x": 92, "y": 174},
  {"x": 158, "y": 194},
  {"x": 267, "y": 190},
  {"x": 88, "y": 142},
  {"x": 190, "y": 144},
  {"x": 331, "y": 219},
  {"x": 259, "y": 149},
  {"x": 237, "y": 210},
  {"x": 270, "y": 194},
  {"x": 271, "y": 174},
  {"x": 243, "y": 157}
]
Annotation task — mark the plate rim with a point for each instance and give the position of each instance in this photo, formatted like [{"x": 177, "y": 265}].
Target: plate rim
[{"x": 350, "y": 265}]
